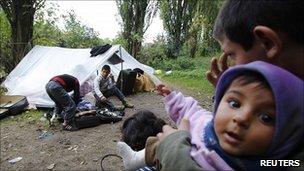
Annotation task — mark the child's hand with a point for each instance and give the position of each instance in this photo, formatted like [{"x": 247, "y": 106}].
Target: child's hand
[
  {"x": 217, "y": 68},
  {"x": 163, "y": 90},
  {"x": 111, "y": 76}
]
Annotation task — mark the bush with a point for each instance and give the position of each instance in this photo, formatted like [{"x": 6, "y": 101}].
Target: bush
[
  {"x": 154, "y": 54},
  {"x": 185, "y": 64}
]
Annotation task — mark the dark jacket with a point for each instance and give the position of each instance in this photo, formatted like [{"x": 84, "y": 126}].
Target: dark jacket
[{"x": 69, "y": 83}]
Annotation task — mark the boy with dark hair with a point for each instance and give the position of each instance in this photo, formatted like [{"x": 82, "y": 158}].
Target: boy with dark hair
[
  {"x": 135, "y": 131},
  {"x": 65, "y": 106},
  {"x": 270, "y": 31},
  {"x": 104, "y": 87},
  {"x": 137, "y": 128}
]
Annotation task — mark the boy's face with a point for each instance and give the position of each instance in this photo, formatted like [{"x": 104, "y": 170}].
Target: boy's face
[
  {"x": 237, "y": 54},
  {"x": 105, "y": 73},
  {"x": 245, "y": 119}
]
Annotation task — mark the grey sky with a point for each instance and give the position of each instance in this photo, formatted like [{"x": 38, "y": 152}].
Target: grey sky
[{"x": 103, "y": 17}]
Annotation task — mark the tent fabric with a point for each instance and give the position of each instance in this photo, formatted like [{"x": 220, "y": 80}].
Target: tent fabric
[{"x": 42, "y": 63}]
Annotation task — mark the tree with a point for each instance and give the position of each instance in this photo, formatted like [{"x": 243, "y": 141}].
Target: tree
[
  {"x": 201, "y": 30},
  {"x": 177, "y": 18},
  {"x": 136, "y": 18},
  {"x": 74, "y": 35},
  {"x": 20, "y": 14},
  {"x": 77, "y": 35},
  {"x": 45, "y": 31},
  {"x": 194, "y": 35},
  {"x": 209, "y": 10},
  {"x": 5, "y": 33}
]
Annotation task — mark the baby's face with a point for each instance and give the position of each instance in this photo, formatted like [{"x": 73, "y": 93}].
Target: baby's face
[
  {"x": 245, "y": 119},
  {"x": 237, "y": 54}
]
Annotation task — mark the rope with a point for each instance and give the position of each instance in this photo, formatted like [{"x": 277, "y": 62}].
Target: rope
[{"x": 108, "y": 155}]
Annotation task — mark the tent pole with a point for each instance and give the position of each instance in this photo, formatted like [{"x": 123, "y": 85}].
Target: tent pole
[{"x": 121, "y": 67}]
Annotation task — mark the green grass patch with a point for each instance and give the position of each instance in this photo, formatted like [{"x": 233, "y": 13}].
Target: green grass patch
[
  {"x": 32, "y": 116},
  {"x": 200, "y": 86},
  {"x": 194, "y": 79}
]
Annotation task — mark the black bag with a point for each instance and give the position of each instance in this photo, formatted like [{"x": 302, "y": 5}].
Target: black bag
[
  {"x": 139, "y": 71},
  {"x": 126, "y": 81},
  {"x": 97, "y": 50},
  {"x": 94, "y": 118}
]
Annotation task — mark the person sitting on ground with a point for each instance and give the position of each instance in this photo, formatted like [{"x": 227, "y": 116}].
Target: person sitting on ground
[
  {"x": 104, "y": 87},
  {"x": 250, "y": 122},
  {"x": 137, "y": 128},
  {"x": 65, "y": 105}
]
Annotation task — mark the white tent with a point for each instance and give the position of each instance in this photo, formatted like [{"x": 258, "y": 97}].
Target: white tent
[{"x": 42, "y": 63}]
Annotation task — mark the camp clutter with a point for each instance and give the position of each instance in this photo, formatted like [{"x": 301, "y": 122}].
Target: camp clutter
[{"x": 42, "y": 63}]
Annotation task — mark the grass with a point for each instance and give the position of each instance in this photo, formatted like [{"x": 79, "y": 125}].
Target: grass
[
  {"x": 201, "y": 86},
  {"x": 192, "y": 79},
  {"x": 31, "y": 116}
]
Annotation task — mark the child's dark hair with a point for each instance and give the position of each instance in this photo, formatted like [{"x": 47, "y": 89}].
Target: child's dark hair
[
  {"x": 237, "y": 19},
  {"x": 106, "y": 67},
  {"x": 137, "y": 128},
  {"x": 249, "y": 77}
]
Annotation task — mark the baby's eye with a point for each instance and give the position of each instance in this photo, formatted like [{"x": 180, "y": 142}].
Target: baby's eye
[
  {"x": 266, "y": 118},
  {"x": 234, "y": 104}
]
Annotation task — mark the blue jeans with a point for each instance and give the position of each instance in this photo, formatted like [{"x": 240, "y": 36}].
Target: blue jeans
[
  {"x": 64, "y": 105},
  {"x": 114, "y": 91}
]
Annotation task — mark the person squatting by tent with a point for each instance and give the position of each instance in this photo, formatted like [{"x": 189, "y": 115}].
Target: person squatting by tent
[
  {"x": 65, "y": 105},
  {"x": 104, "y": 87}
]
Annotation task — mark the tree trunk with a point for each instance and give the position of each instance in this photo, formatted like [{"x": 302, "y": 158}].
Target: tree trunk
[
  {"x": 20, "y": 14},
  {"x": 177, "y": 17},
  {"x": 193, "y": 47},
  {"x": 133, "y": 13}
]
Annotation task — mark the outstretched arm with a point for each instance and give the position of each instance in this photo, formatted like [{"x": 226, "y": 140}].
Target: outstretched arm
[{"x": 178, "y": 106}]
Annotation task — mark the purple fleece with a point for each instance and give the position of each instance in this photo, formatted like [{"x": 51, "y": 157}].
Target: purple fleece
[{"x": 288, "y": 91}]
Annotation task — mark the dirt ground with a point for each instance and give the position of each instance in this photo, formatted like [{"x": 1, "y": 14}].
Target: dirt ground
[{"x": 80, "y": 150}]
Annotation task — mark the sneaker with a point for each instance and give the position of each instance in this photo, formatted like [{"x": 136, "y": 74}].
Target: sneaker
[
  {"x": 69, "y": 127},
  {"x": 127, "y": 105}
]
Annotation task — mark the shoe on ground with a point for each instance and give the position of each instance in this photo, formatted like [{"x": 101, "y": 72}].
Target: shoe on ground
[{"x": 70, "y": 127}]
